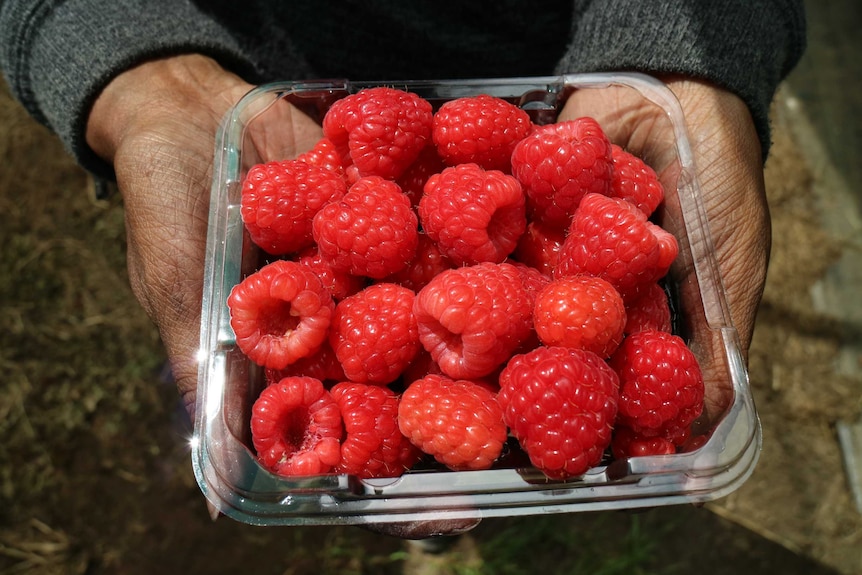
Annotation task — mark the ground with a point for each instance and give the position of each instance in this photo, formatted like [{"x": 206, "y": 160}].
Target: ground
[{"x": 95, "y": 474}]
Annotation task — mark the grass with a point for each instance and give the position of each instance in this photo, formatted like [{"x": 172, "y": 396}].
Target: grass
[{"x": 598, "y": 544}]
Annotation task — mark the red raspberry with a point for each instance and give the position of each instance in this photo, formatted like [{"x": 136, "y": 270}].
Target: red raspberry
[
  {"x": 560, "y": 404},
  {"x": 580, "y": 311},
  {"x": 627, "y": 443},
  {"x": 458, "y": 422},
  {"x": 479, "y": 129},
  {"x": 322, "y": 365},
  {"x": 379, "y": 130},
  {"x": 296, "y": 427},
  {"x": 471, "y": 319},
  {"x": 539, "y": 246},
  {"x": 373, "y": 445},
  {"x": 560, "y": 163},
  {"x": 425, "y": 265},
  {"x": 371, "y": 232},
  {"x": 374, "y": 333},
  {"x": 649, "y": 310},
  {"x": 473, "y": 215},
  {"x": 532, "y": 279},
  {"x": 661, "y": 385},
  {"x": 279, "y": 199},
  {"x": 338, "y": 283},
  {"x": 612, "y": 239},
  {"x": 324, "y": 154},
  {"x": 421, "y": 366},
  {"x": 635, "y": 181},
  {"x": 280, "y": 313},
  {"x": 412, "y": 181}
]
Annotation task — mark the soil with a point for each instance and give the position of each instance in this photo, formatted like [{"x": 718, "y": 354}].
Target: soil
[
  {"x": 95, "y": 474},
  {"x": 799, "y": 494}
]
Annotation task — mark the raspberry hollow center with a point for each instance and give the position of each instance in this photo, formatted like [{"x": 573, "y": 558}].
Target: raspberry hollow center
[
  {"x": 294, "y": 427},
  {"x": 279, "y": 318}
]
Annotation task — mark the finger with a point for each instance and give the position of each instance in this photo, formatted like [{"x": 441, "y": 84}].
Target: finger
[{"x": 424, "y": 529}]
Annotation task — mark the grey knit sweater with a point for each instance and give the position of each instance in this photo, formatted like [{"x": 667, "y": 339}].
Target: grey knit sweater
[{"x": 58, "y": 55}]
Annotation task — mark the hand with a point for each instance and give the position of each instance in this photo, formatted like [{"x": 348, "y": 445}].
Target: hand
[
  {"x": 729, "y": 166},
  {"x": 156, "y": 123}
]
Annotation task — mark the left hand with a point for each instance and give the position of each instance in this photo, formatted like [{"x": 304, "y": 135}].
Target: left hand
[{"x": 729, "y": 168}]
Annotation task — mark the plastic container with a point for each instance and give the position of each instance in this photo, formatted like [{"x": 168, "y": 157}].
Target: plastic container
[{"x": 728, "y": 437}]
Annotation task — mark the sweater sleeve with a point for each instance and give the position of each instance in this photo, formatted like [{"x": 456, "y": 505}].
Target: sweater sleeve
[
  {"x": 57, "y": 56},
  {"x": 745, "y": 46}
]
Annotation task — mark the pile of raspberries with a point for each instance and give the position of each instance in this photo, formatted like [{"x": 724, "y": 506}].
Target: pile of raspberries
[{"x": 443, "y": 285}]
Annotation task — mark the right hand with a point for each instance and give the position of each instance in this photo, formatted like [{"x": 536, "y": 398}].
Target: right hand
[
  {"x": 156, "y": 123},
  {"x": 729, "y": 167}
]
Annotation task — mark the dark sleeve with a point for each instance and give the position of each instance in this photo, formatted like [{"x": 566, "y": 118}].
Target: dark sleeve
[
  {"x": 57, "y": 56},
  {"x": 745, "y": 46}
]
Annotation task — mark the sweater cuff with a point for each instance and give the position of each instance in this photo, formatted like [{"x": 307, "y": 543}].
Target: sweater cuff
[
  {"x": 76, "y": 49},
  {"x": 744, "y": 46}
]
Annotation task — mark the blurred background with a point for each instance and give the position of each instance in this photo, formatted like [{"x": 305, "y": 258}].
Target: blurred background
[{"x": 95, "y": 473}]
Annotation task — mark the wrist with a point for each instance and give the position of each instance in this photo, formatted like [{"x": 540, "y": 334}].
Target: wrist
[
  {"x": 189, "y": 87},
  {"x": 707, "y": 105}
]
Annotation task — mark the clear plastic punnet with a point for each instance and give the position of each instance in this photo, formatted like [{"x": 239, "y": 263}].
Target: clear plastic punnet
[{"x": 727, "y": 438}]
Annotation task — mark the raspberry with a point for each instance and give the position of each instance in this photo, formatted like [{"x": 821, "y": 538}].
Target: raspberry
[
  {"x": 279, "y": 199},
  {"x": 374, "y": 333},
  {"x": 560, "y": 404},
  {"x": 280, "y": 313},
  {"x": 412, "y": 181},
  {"x": 379, "y": 130},
  {"x": 338, "y": 283},
  {"x": 324, "y": 154},
  {"x": 296, "y": 427},
  {"x": 371, "y": 232},
  {"x": 426, "y": 263},
  {"x": 560, "y": 163},
  {"x": 472, "y": 318},
  {"x": 539, "y": 246},
  {"x": 479, "y": 129},
  {"x": 322, "y": 365},
  {"x": 373, "y": 445},
  {"x": 612, "y": 239},
  {"x": 532, "y": 279},
  {"x": 580, "y": 311},
  {"x": 661, "y": 385},
  {"x": 458, "y": 422},
  {"x": 627, "y": 443},
  {"x": 472, "y": 214},
  {"x": 421, "y": 366},
  {"x": 649, "y": 310},
  {"x": 635, "y": 181}
]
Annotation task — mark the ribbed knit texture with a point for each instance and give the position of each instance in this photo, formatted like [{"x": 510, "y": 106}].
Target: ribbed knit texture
[
  {"x": 746, "y": 46},
  {"x": 57, "y": 56}
]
